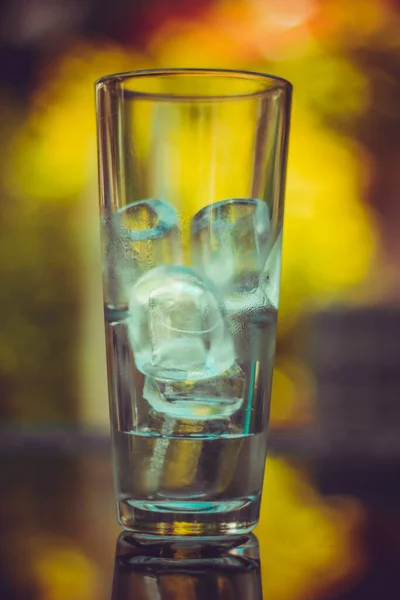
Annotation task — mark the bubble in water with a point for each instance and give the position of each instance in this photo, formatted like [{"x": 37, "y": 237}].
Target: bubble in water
[
  {"x": 230, "y": 242},
  {"x": 177, "y": 326}
]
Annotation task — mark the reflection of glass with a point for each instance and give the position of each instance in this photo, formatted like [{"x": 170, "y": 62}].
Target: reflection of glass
[
  {"x": 182, "y": 571},
  {"x": 192, "y": 167}
]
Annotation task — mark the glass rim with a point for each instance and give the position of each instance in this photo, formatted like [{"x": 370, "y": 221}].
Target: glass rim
[{"x": 275, "y": 83}]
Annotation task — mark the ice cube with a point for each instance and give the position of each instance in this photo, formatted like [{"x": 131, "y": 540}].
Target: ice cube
[
  {"x": 250, "y": 315},
  {"x": 177, "y": 326},
  {"x": 230, "y": 243},
  {"x": 215, "y": 398},
  {"x": 138, "y": 237},
  {"x": 270, "y": 278},
  {"x": 252, "y": 305}
]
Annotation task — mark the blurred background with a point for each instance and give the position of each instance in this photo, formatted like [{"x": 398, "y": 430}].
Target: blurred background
[{"x": 338, "y": 324}]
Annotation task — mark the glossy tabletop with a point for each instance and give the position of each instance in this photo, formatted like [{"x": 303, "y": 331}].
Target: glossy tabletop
[{"x": 329, "y": 529}]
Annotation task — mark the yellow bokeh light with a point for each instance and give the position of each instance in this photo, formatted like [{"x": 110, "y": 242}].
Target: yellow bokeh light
[
  {"x": 305, "y": 545},
  {"x": 63, "y": 572},
  {"x": 292, "y": 394},
  {"x": 328, "y": 239},
  {"x": 53, "y": 156}
]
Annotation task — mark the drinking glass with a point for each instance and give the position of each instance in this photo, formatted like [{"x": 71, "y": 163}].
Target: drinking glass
[{"x": 192, "y": 171}]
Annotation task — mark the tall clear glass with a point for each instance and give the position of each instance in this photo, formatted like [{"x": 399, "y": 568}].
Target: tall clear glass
[{"x": 192, "y": 171}]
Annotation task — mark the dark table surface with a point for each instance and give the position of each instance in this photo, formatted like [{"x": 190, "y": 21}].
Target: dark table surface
[{"x": 329, "y": 529}]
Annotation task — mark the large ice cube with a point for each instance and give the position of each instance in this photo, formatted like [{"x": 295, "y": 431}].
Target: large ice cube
[
  {"x": 215, "y": 398},
  {"x": 138, "y": 237},
  {"x": 177, "y": 326},
  {"x": 230, "y": 243}
]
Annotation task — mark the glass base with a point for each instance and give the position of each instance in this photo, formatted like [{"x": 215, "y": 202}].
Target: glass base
[{"x": 212, "y": 519}]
